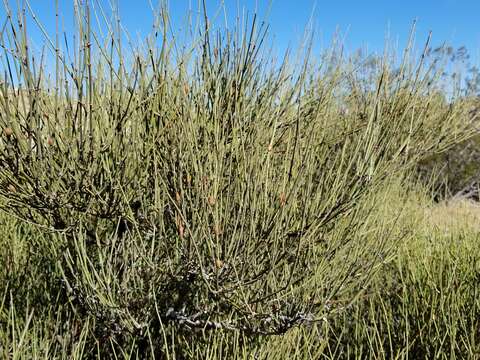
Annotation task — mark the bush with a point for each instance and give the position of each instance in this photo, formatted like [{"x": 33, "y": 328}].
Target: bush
[
  {"x": 180, "y": 193},
  {"x": 455, "y": 172}
]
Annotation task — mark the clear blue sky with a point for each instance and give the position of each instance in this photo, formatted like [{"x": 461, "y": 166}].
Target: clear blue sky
[{"x": 362, "y": 22}]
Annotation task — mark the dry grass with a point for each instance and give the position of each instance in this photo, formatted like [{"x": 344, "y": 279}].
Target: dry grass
[{"x": 453, "y": 216}]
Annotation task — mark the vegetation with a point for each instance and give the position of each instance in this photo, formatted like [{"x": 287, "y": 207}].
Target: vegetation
[
  {"x": 455, "y": 172},
  {"x": 200, "y": 199}
]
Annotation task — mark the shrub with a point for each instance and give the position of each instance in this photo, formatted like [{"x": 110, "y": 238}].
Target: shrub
[
  {"x": 205, "y": 189},
  {"x": 455, "y": 172}
]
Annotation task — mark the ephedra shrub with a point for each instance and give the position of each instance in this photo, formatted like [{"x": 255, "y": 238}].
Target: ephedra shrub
[{"x": 204, "y": 187}]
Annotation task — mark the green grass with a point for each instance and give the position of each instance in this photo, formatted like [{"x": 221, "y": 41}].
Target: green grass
[{"x": 209, "y": 201}]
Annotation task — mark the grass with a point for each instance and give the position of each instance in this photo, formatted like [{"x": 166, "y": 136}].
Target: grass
[{"x": 209, "y": 201}]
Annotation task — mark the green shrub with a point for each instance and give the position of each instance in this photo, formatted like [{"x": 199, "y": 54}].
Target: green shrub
[
  {"x": 424, "y": 305},
  {"x": 180, "y": 193}
]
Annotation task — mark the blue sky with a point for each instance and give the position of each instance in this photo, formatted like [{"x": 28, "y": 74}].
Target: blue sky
[
  {"x": 362, "y": 23},
  {"x": 365, "y": 23}
]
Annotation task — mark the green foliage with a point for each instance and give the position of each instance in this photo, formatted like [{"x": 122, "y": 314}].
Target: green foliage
[
  {"x": 192, "y": 203},
  {"x": 425, "y": 304}
]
